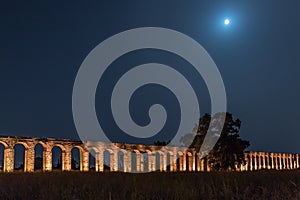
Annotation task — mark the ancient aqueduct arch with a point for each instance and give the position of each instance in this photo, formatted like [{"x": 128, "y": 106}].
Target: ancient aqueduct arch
[{"x": 179, "y": 158}]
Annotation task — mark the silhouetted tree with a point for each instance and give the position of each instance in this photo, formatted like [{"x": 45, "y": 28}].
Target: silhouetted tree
[
  {"x": 228, "y": 151},
  {"x": 161, "y": 143}
]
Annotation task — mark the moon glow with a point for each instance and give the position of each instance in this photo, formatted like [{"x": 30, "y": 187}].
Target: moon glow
[{"x": 226, "y": 21}]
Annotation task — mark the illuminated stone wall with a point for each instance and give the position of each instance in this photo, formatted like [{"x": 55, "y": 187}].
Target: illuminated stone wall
[{"x": 132, "y": 157}]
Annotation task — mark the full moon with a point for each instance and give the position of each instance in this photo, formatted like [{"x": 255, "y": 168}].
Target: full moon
[{"x": 226, "y": 21}]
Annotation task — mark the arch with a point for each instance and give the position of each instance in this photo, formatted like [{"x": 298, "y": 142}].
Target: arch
[
  {"x": 4, "y": 144},
  {"x": 39, "y": 160},
  {"x": 248, "y": 162},
  {"x": 179, "y": 161},
  {"x": 145, "y": 162},
  {"x": 76, "y": 158},
  {"x": 92, "y": 160},
  {"x": 121, "y": 163},
  {"x": 168, "y": 161},
  {"x": 57, "y": 158},
  {"x": 20, "y": 156},
  {"x": 189, "y": 161}
]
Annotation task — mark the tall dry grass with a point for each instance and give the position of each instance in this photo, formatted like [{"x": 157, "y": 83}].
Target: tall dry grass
[{"x": 276, "y": 185}]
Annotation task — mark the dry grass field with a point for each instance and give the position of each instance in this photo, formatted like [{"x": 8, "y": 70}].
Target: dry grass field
[{"x": 190, "y": 185}]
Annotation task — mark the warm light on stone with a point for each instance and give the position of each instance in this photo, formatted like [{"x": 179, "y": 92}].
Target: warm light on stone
[{"x": 179, "y": 158}]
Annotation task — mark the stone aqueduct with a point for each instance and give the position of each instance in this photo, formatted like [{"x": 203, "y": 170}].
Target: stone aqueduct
[{"x": 147, "y": 158}]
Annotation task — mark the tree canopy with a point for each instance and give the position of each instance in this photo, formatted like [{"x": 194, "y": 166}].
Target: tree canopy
[{"x": 228, "y": 151}]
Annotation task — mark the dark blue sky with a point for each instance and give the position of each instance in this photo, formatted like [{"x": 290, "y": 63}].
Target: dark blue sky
[{"x": 43, "y": 44}]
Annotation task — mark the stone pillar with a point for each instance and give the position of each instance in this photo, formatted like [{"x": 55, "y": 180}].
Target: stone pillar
[
  {"x": 138, "y": 162},
  {"x": 297, "y": 161},
  {"x": 263, "y": 160},
  {"x": 280, "y": 161},
  {"x": 198, "y": 163},
  {"x": 66, "y": 160},
  {"x": 172, "y": 163},
  {"x": 181, "y": 162},
  {"x": 272, "y": 160},
  {"x": 150, "y": 162},
  {"x": 276, "y": 161},
  {"x": 114, "y": 161},
  {"x": 202, "y": 165},
  {"x": 174, "y": 160},
  {"x": 251, "y": 161},
  {"x": 283, "y": 161},
  {"x": 142, "y": 159},
  {"x": 259, "y": 161},
  {"x": 29, "y": 159},
  {"x": 101, "y": 160},
  {"x": 161, "y": 164},
  {"x": 97, "y": 164},
  {"x": 291, "y": 162},
  {"x": 207, "y": 166},
  {"x": 8, "y": 162},
  {"x": 268, "y": 165},
  {"x": 163, "y": 161},
  {"x": 85, "y": 160},
  {"x": 184, "y": 162},
  {"x": 287, "y": 162},
  {"x": 153, "y": 167},
  {"x": 127, "y": 161},
  {"x": 47, "y": 159},
  {"x": 193, "y": 162},
  {"x": 190, "y": 161},
  {"x": 255, "y": 161}
]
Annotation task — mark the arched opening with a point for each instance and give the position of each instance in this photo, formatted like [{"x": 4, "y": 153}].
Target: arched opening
[
  {"x": 2, "y": 147},
  {"x": 92, "y": 160},
  {"x": 121, "y": 161},
  {"x": 253, "y": 162},
  {"x": 282, "y": 162},
  {"x": 19, "y": 157},
  {"x": 157, "y": 161},
  {"x": 196, "y": 158},
  {"x": 107, "y": 163},
  {"x": 189, "y": 161},
  {"x": 57, "y": 158},
  {"x": 38, "y": 157},
  {"x": 168, "y": 161},
  {"x": 76, "y": 159},
  {"x": 248, "y": 162},
  {"x": 179, "y": 160}
]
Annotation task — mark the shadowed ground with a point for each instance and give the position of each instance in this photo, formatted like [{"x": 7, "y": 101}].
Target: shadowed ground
[{"x": 189, "y": 185}]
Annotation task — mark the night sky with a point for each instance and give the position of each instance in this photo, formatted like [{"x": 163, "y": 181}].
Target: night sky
[{"x": 43, "y": 44}]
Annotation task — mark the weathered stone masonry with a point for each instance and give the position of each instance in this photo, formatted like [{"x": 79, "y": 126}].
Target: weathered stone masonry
[{"x": 147, "y": 158}]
